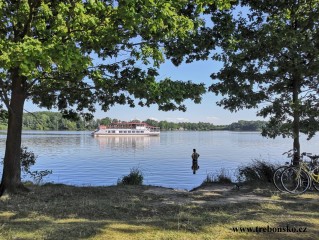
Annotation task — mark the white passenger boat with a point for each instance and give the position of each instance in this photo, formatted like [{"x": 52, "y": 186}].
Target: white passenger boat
[{"x": 127, "y": 128}]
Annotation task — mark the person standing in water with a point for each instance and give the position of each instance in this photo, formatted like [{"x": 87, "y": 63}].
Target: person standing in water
[{"x": 195, "y": 157}]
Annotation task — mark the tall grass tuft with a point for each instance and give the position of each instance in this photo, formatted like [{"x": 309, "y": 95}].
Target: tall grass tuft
[
  {"x": 257, "y": 171},
  {"x": 220, "y": 177},
  {"x": 135, "y": 177}
]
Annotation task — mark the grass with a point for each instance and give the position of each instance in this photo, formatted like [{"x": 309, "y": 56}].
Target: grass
[
  {"x": 220, "y": 177},
  {"x": 143, "y": 212}
]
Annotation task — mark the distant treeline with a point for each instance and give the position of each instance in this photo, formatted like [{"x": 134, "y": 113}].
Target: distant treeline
[
  {"x": 202, "y": 126},
  {"x": 246, "y": 126},
  {"x": 55, "y": 121}
]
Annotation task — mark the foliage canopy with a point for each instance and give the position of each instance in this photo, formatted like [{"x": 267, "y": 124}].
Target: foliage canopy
[
  {"x": 74, "y": 54},
  {"x": 270, "y": 51}
]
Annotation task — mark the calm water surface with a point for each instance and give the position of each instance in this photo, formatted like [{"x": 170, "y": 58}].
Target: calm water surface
[{"x": 77, "y": 158}]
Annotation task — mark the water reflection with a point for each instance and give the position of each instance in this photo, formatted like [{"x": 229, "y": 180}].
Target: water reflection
[{"x": 126, "y": 142}]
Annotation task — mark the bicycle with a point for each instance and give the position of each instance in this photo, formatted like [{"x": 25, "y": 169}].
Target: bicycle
[
  {"x": 277, "y": 177},
  {"x": 277, "y": 173},
  {"x": 297, "y": 179}
]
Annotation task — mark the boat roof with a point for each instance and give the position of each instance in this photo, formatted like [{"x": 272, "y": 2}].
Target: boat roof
[{"x": 128, "y": 124}]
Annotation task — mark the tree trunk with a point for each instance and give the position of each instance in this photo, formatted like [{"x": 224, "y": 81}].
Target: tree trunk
[
  {"x": 296, "y": 121},
  {"x": 296, "y": 144},
  {"x": 11, "y": 176}
]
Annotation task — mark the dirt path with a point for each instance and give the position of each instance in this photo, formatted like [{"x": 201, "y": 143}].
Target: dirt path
[{"x": 213, "y": 194}]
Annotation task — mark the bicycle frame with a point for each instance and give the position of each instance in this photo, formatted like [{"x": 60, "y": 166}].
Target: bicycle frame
[{"x": 304, "y": 166}]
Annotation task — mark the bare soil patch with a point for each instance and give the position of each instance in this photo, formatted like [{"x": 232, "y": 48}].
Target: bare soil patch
[{"x": 212, "y": 194}]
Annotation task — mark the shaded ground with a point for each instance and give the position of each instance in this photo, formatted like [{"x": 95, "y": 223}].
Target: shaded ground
[{"x": 214, "y": 211}]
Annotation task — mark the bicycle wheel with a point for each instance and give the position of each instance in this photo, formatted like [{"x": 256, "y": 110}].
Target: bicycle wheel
[
  {"x": 315, "y": 184},
  {"x": 276, "y": 179},
  {"x": 295, "y": 180}
]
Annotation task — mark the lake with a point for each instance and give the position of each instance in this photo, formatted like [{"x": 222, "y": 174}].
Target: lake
[{"x": 77, "y": 158}]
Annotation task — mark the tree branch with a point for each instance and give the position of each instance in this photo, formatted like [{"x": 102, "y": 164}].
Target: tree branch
[{"x": 4, "y": 95}]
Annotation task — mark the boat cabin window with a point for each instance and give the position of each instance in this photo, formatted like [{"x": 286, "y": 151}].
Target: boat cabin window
[
  {"x": 121, "y": 131},
  {"x": 133, "y": 131},
  {"x": 142, "y": 131},
  {"x": 113, "y": 131},
  {"x": 125, "y": 131},
  {"x": 129, "y": 132}
]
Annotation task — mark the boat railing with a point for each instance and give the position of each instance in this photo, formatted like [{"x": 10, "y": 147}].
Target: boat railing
[
  {"x": 154, "y": 129},
  {"x": 137, "y": 126}
]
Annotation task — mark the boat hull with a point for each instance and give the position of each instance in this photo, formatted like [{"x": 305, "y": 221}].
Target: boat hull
[{"x": 124, "y": 134}]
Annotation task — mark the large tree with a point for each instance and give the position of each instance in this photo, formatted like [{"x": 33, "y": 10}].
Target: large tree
[
  {"x": 74, "y": 55},
  {"x": 270, "y": 52}
]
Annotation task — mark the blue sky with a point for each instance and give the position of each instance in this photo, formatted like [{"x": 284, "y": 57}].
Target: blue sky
[{"x": 207, "y": 111}]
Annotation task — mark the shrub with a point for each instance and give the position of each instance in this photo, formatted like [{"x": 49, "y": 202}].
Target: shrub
[
  {"x": 134, "y": 178},
  {"x": 257, "y": 171},
  {"x": 28, "y": 159},
  {"x": 223, "y": 179}
]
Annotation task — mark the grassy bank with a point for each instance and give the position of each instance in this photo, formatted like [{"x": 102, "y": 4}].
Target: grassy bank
[{"x": 144, "y": 212}]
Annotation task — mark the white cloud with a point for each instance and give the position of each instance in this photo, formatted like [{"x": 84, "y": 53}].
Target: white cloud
[
  {"x": 138, "y": 119},
  {"x": 182, "y": 119},
  {"x": 153, "y": 118}
]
